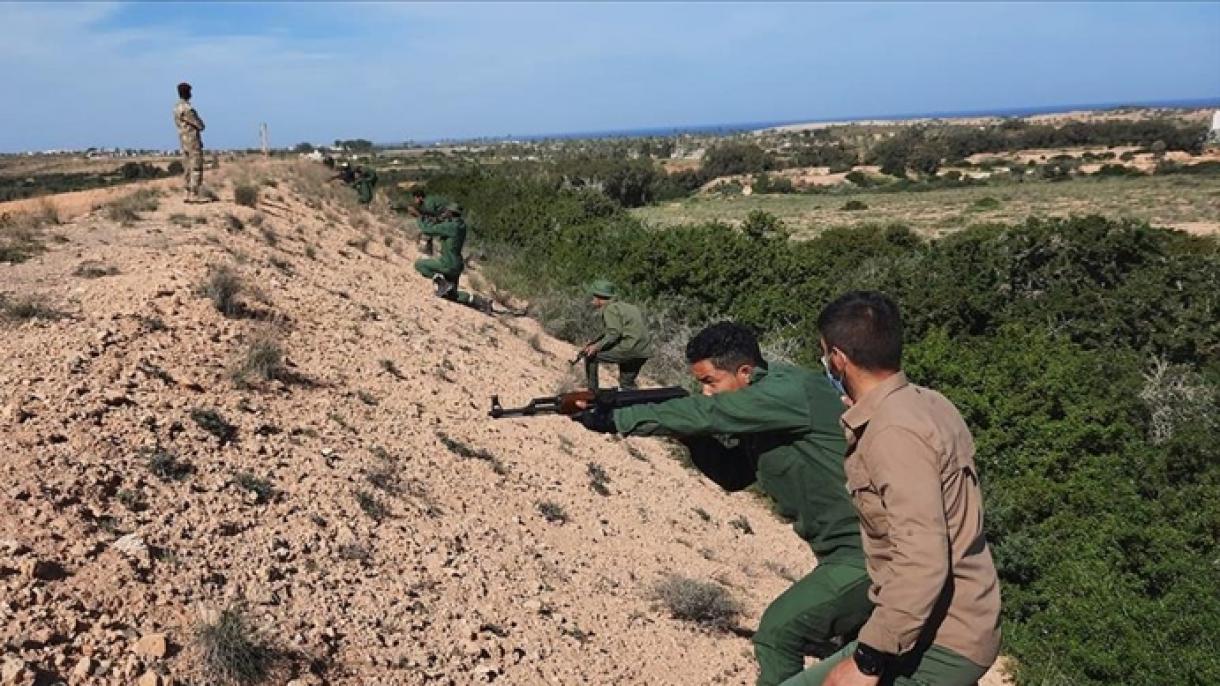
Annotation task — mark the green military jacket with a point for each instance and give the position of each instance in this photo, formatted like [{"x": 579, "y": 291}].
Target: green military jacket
[
  {"x": 782, "y": 431},
  {"x": 625, "y": 334},
  {"x": 453, "y": 238}
]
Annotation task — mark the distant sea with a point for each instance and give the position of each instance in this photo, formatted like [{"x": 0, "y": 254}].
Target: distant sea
[{"x": 725, "y": 129}]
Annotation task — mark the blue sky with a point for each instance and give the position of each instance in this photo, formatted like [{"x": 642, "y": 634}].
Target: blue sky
[{"x": 103, "y": 74}]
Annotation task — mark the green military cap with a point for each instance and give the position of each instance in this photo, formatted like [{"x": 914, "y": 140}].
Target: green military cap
[{"x": 602, "y": 289}]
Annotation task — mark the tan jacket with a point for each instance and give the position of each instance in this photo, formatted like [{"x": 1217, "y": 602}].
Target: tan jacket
[
  {"x": 190, "y": 126},
  {"x": 910, "y": 470}
]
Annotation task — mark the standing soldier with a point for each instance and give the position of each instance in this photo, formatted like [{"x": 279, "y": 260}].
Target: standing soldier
[
  {"x": 446, "y": 270},
  {"x": 625, "y": 339},
  {"x": 190, "y": 128},
  {"x": 778, "y": 425},
  {"x": 912, "y": 478}
]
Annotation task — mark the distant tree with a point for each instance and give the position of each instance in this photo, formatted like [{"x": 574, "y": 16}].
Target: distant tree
[
  {"x": 303, "y": 147},
  {"x": 736, "y": 158}
]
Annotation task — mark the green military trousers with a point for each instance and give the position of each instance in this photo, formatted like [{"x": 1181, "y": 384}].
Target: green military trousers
[
  {"x": 815, "y": 616},
  {"x": 364, "y": 191},
  {"x": 628, "y": 370},
  {"x": 431, "y": 266},
  {"x": 935, "y": 666}
]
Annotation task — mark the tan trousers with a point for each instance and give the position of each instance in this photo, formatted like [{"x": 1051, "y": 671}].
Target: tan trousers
[{"x": 193, "y": 171}]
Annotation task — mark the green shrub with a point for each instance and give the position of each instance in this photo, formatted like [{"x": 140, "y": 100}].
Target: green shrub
[
  {"x": 701, "y": 602},
  {"x": 246, "y": 195},
  {"x": 854, "y": 206},
  {"x": 214, "y": 423},
  {"x": 126, "y": 210},
  {"x": 232, "y": 650},
  {"x": 260, "y": 488},
  {"x": 985, "y": 204},
  {"x": 222, "y": 287}
]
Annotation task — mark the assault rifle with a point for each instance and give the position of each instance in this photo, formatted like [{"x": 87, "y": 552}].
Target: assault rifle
[{"x": 571, "y": 403}]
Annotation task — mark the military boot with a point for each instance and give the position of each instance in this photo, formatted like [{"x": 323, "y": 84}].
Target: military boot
[
  {"x": 481, "y": 304},
  {"x": 443, "y": 287}
]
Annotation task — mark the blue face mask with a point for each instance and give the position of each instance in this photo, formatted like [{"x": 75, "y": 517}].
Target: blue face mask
[{"x": 834, "y": 380}]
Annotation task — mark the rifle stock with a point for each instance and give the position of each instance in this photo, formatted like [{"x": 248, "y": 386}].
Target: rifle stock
[{"x": 570, "y": 403}]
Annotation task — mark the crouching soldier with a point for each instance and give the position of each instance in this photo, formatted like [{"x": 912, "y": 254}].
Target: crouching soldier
[
  {"x": 446, "y": 269},
  {"x": 625, "y": 339}
]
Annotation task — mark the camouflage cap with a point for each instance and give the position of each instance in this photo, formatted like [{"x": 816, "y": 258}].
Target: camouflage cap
[{"x": 602, "y": 289}]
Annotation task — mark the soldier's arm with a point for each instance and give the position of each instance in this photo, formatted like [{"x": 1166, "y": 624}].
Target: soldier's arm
[
  {"x": 753, "y": 409},
  {"x": 192, "y": 118},
  {"x": 613, "y": 331},
  {"x": 906, "y": 473},
  {"x": 442, "y": 229}
]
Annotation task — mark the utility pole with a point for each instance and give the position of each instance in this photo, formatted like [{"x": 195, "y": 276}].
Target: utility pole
[{"x": 262, "y": 137}]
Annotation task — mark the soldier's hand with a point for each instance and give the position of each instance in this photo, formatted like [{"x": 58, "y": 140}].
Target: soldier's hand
[{"x": 597, "y": 420}]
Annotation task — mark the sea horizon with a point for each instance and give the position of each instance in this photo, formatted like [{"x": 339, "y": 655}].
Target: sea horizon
[{"x": 741, "y": 127}]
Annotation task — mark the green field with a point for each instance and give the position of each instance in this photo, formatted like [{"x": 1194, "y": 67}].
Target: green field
[{"x": 1179, "y": 201}]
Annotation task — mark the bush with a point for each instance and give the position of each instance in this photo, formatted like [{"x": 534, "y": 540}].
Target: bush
[
  {"x": 854, "y": 206},
  {"x": 260, "y": 488},
  {"x": 701, "y": 602},
  {"x": 232, "y": 650},
  {"x": 127, "y": 209},
  {"x": 27, "y": 307},
  {"x": 222, "y": 287},
  {"x": 246, "y": 195},
  {"x": 732, "y": 157},
  {"x": 175, "y": 168},
  {"x": 214, "y": 423},
  {"x": 552, "y": 512},
  {"x": 764, "y": 183},
  {"x": 263, "y": 359}
]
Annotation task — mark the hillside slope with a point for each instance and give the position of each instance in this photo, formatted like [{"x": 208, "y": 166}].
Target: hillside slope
[{"x": 384, "y": 400}]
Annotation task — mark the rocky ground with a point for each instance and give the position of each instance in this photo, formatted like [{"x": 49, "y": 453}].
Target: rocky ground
[{"x": 359, "y": 508}]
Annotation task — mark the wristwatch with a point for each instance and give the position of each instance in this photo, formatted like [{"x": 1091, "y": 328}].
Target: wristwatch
[{"x": 870, "y": 661}]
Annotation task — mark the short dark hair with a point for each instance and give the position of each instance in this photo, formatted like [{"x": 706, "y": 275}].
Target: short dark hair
[
  {"x": 184, "y": 90},
  {"x": 727, "y": 344},
  {"x": 418, "y": 192},
  {"x": 867, "y": 327}
]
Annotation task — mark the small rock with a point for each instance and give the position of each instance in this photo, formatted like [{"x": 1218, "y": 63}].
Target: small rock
[
  {"x": 149, "y": 679},
  {"x": 82, "y": 669},
  {"x": 13, "y": 672},
  {"x": 151, "y": 645},
  {"x": 132, "y": 545},
  {"x": 45, "y": 570}
]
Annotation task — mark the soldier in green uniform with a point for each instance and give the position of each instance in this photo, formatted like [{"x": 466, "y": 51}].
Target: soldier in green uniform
[
  {"x": 365, "y": 181},
  {"x": 625, "y": 339},
  {"x": 445, "y": 270},
  {"x": 430, "y": 209},
  {"x": 777, "y": 425}
]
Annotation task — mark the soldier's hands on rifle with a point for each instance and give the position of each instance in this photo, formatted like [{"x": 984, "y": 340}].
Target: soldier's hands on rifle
[
  {"x": 597, "y": 419},
  {"x": 590, "y": 350}
]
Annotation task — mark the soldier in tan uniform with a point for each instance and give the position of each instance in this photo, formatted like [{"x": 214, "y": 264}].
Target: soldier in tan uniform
[
  {"x": 190, "y": 129},
  {"x": 912, "y": 478}
]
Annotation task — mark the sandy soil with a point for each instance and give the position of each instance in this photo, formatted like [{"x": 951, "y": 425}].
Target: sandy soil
[{"x": 462, "y": 582}]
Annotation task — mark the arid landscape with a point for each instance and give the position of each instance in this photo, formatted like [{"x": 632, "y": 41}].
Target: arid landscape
[{"x": 347, "y": 495}]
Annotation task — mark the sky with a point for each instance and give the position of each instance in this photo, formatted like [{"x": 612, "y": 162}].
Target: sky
[{"x": 103, "y": 74}]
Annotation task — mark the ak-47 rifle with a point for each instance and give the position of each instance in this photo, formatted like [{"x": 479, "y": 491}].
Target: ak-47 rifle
[
  {"x": 580, "y": 355},
  {"x": 578, "y": 401}
]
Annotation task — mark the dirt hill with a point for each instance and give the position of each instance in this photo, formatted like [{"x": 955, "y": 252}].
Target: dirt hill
[{"x": 375, "y": 525}]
